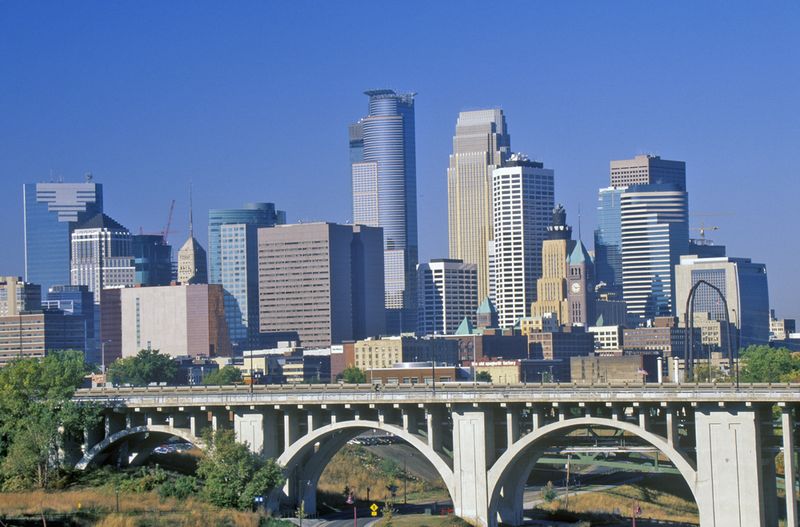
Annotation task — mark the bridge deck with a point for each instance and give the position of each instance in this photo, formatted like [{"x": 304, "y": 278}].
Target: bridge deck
[{"x": 453, "y": 393}]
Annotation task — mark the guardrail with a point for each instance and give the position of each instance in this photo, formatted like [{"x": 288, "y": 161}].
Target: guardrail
[{"x": 444, "y": 392}]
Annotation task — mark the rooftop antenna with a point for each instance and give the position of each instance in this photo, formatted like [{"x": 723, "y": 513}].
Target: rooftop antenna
[
  {"x": 580, "y": 238},
  {"x": 191, "y": 227}
]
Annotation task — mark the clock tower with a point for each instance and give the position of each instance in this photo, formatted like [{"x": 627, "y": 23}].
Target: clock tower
[{"x": 580, "y": 286}]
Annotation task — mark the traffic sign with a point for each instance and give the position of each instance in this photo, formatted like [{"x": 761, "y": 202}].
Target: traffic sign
[{"x": 374, "y": 507}]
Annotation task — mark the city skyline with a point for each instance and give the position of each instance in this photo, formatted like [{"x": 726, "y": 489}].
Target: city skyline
[{"x": 719, "y": 159}]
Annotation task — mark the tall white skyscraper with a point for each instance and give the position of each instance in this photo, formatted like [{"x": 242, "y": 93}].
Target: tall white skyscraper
[
  {"x": 655, "y": 233},
  {"x": 523, "y": 199},
  {"x": 448, "y": 292},
  {"x": 102, "y": 255},
  {"x": 480, "y": 145}
]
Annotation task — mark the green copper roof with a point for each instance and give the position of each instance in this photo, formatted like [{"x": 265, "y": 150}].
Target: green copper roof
[
  {"x": 579, "y": 255},
  {"x": 465, "y": 328},
  {"x": 486, "y": 307},
  {"x": 599, "y": 322}
]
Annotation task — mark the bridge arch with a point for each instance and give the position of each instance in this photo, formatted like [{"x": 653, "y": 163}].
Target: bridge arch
[
  {"x": 298, "y": 464},
  {"x": 91, "y": 454},
  {"x": 510, "y": 471}
]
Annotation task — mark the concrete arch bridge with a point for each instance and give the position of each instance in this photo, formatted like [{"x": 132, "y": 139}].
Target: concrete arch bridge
[{"x": 483, "y": 440}]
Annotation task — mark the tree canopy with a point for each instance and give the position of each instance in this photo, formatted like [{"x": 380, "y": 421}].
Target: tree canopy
[
  {"x": 483, "y": 376},
  {"x": 35, "y": 401},
  {"x": 768, "y": 364},
  {"x": 225, "y": 375},
  {"x": 145, "y": 367},
  {"x": 354, "y": 375},
  {"x": 233, "y": 476}
]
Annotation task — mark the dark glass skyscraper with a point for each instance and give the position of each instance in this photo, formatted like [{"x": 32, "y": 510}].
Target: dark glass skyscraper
[
  {"x": 384, "y": 178},
  {"x": 608, "y": 240},
  {"x": 52, "y": 210},
  {"x": 233, "y": 263},
  {"x": 152, "y": 259}
]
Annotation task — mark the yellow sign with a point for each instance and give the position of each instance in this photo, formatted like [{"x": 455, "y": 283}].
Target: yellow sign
[
  {"x": 373, "y": 507},
  {"x": 374, "y": 513}
]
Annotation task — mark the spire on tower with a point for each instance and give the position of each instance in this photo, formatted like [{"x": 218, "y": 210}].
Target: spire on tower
[{"x": 191, "y": 227}]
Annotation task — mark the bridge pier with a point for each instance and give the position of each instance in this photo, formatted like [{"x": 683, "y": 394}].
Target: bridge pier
[
  {"x": 789, "y": 476},
  {"x": 730, "y": 483},
  {"x": 473, "y": 453}
]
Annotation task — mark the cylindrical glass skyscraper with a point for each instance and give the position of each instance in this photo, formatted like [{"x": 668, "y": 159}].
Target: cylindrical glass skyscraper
[{"x": 384, "y": 177}]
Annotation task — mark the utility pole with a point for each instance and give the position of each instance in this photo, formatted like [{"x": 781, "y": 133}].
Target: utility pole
[{"x": 566, "y": 498}]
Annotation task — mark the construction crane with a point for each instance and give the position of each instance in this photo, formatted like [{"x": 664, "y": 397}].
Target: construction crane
[
  {"x": 703, "y": 229},
  {"x": 165, "y": 232}
]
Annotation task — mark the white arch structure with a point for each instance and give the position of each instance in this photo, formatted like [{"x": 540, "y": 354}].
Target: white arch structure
[
  {"x": 508, "y": 474},
  {"x": 112, "y": 439},
  {"x": 302, "y": 464}
]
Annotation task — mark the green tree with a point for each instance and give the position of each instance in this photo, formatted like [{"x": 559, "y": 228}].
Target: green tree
[
  {"x": 354, "y": 375},
  {"x": 37, "y": 417},
  {"x": 226, "y": 375},
  {"x": 145, "y": 367},
  {"x": 483, "y": 376},
  {"x": 701, "y": 374},
  {"x": 768, "y": 364},
  {"x": 232, "y": 475}
]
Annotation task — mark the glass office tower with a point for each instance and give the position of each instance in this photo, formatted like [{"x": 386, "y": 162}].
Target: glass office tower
[
  {"x": 52, "y": 210},
  {"x": 654, "y": 222},
  {"x": 233, "y": 263},
  {"x": 608, "y": 240},
  {"x": 152, "y": 259},
  {"x": 384, "y": 178}
]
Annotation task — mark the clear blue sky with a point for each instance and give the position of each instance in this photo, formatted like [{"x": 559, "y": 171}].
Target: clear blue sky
[{"x": 251, "y": 101}]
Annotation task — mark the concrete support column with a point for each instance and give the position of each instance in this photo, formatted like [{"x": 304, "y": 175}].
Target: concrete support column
[
  {"x": 113, "y": 423},
  {"x": 512, "y": 425},
  {"x": 91, "y": 436},
  {"x": 291, "y": 427},
  {"x": 433, "y": 419},
  {"x": 472, "y": 438},
  {"x": 198, "y": 422},
  {"x": 729, "y": 483},
  {"x": 249, "y": 427},
  {"x": 644, "y": 417},
  {"x": 409, "y": 419},
  {"x": 313, "y": 419},
  {"x": 787, "y": 428},
  {"x": 537, "y": 418},
  {"x": 672, "y": 426}
]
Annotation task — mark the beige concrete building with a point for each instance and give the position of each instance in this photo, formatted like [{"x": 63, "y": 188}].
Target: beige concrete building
[
  {"x": 551, "y": 288},
  {"x": 481, "y": 144},
  {"x": 178, "y": 320},
  {"x": 322, "y": 280},
  {"x": 547, "y": 322},
  {"x": 625, "y": 368},
  {"x": 501, "y": 371},
  {"x": 36, "y": 334},
  {"x": 387, "y": 351},
  {"x": 607, "y": 337},
  {"x": 647, "y": 169},
  {"x": 17, "y": 296}
]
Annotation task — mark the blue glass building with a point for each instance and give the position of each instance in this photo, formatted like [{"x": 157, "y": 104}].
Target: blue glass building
[
  {"x": 52, "y": 210},
  {"x": 152, "y": 259},
  {"x": 608, "y": 240},
  {"x": 654, "y": 222},
  {"x": 384, "y": 179},
  {"x": 76, "y": 301},
  {"x": 233, "y": 263}
]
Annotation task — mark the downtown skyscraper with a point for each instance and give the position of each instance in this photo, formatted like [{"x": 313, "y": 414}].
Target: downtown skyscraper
[
  {"x": 52, "y": 210},
  {"x": 384, "y": 179},
  {"x": 523, "y": 197},
  {"x": 480, "y": 145},
  {"x": 233, "y": 263}
]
